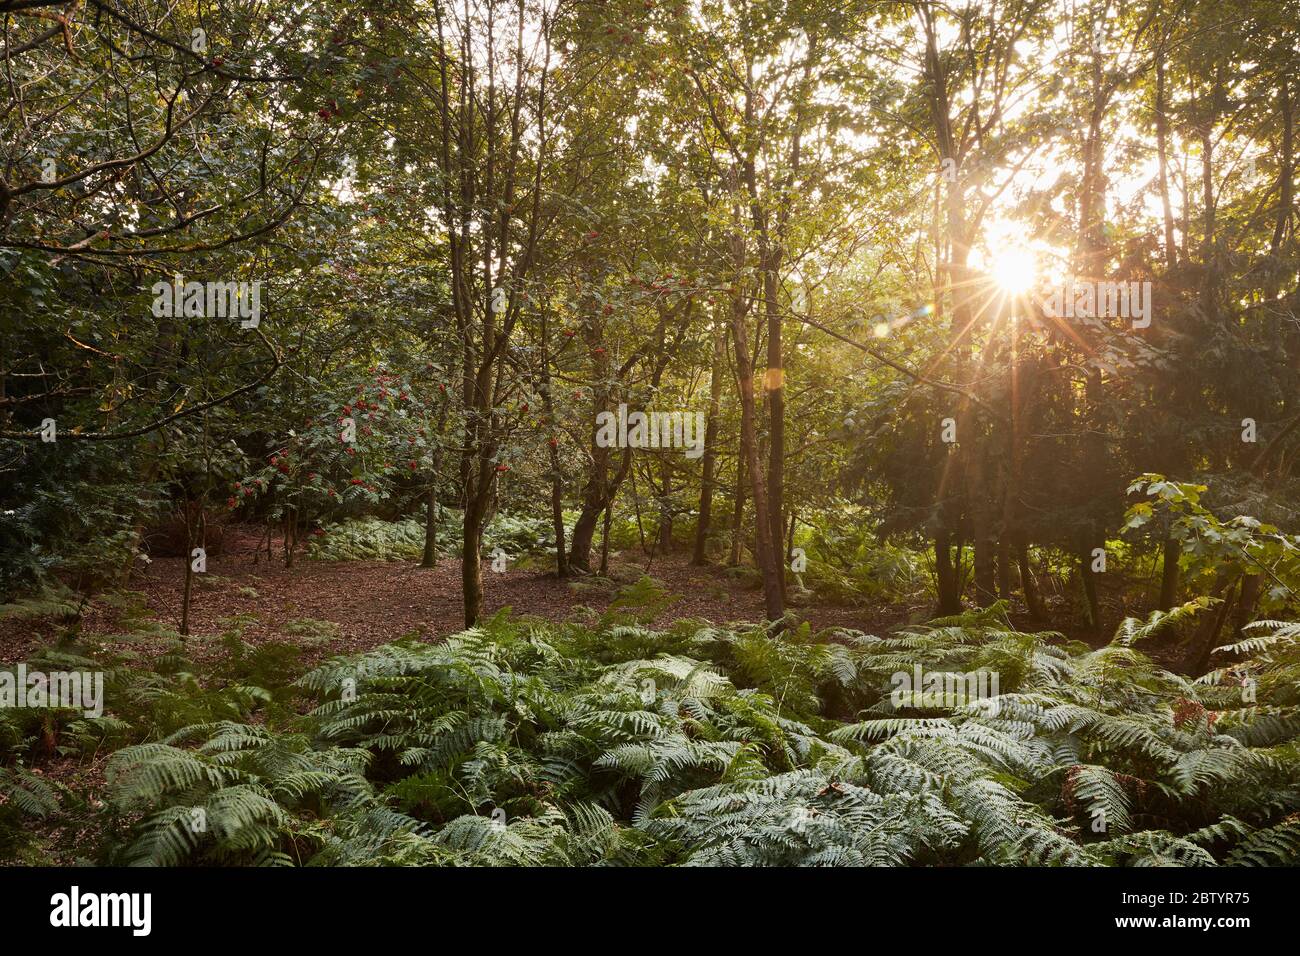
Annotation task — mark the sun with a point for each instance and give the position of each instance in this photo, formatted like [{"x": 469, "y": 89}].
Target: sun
[{"x": 1014, "y": 270}]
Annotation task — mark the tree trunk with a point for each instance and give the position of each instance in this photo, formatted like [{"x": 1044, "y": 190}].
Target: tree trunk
[
  {"x": 1162, "y": 152},
  {"x": 432, "y": 512},
  {"x": 1092, "y": 603},
  {"x": 986, "y": 570},
  {"x": 1247, "y": 598},
  {"x": 1033, "y": 599},
  {"x": 1286, "y": 175},
  {"x": 471, "y": 572},
  {"x": 599, "y": 496},
  {"x": 1169, "y": 574},
  {"x": 584, "y": 532},
  {"x": 1004, "y": 568},
  {"x": 1196, "y": 653},
  {"x": 789, "y": 538},
  {"x": 986, "y": 565},
  {"x": 604, "y": 542},
  {"x": 557, "y": 519},
  {"x": 430, "y": 557},
  {"x": 188, "y": 591},
  {"x": 665, "y": 542},
  {"x": 765, "y": 548},
  {"x": 710, "y": 464},
  {"x": 774, "y": 383},
  {"x": 738, "y": 511},
  {"x": 946, "y": 575}
]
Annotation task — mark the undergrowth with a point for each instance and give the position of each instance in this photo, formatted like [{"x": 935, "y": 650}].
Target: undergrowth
[{"x": 522, "y": 742}]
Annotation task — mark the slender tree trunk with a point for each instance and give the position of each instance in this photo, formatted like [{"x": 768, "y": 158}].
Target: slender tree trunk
[
  {"x": 290, "y": 535},
  {"x": 985, "y": 544},
  {"x": 1247, "y": 598},
  {"x": 1286, "y": 175},
  {"x": 430, "y": 557},
  {"x": 1162, "y": 152},
  {"x": 1197, "y": 651},
  {"x": 665, "y": 543},
  {"x": 986, "y": 570},
  {"x": 789, "y": 538},
  {"x": 710, "y": 463},
  {"x": 188, "y": 588},
  {"x": 433, "y": 513},
  {"x": 774, "y": 383},
  {"x": 946, "y": 574},
  {"x": 765, "y": 547},
  {"x": 738, "y": 511},
  {"x": 1171, "y": 552},
  {"x": 1092, "y": 602},
  {"x": 471, "y": 571},
  {"x": 1033, "y": 599},
  {"x": 1005, "y": 588},
  {"x": 604, "y": 542},
  {"x": 557, "y": 518}
]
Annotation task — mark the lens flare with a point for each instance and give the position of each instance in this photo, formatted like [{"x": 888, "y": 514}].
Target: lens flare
[{"x": 1014, "y": 270}]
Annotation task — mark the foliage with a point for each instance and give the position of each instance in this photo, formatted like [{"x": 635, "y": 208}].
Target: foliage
[{"x": 524, "y": 743}]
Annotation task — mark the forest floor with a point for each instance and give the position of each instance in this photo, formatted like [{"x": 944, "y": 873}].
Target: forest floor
[{"x": 375, "y": 602}]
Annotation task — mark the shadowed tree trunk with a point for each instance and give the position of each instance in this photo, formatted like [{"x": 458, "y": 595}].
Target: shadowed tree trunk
[
  {"x": 1171, "y": 552},
  {"x": 1028, "y": 583},
  {"x": 1247, "y": 598},
  {"x": 945, "y": 573},
  {"x": 1088, "y": 578},
  {"x": 1195, "y": 658}
]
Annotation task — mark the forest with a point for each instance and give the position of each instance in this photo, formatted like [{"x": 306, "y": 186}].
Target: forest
[{"x": 636, "y": 433}]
